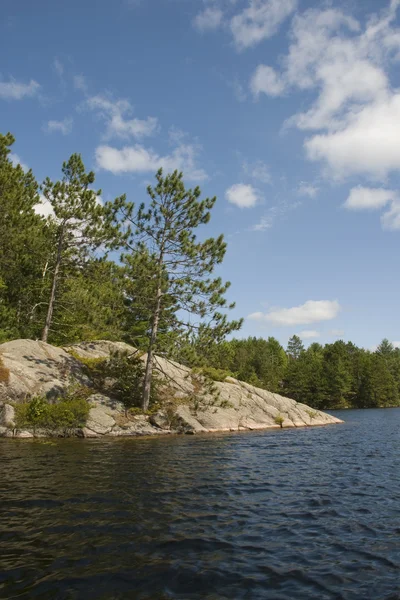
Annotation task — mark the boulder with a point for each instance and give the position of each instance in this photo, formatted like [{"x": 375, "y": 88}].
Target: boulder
[
  {"x": 7, "y": 415},
  {"x": 36, "y": 368},
  {"x": 99, "y": 421},
  {"x": 160, "y": 420}
]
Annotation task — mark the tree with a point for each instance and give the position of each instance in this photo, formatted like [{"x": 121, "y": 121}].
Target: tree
[
  {"x": 295, "y": 347},
  {"x": 25, "y": 246},
  {"x": 180, "y": 266},
  {"x": 385, "y": 348},
  {"x": 82, "y": 223}
]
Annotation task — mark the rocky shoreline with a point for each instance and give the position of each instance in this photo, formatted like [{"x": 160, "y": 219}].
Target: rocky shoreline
[{"x": 29, "y": 368}]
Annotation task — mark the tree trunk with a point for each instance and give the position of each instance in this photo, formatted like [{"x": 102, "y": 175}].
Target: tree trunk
[
  {"x": 150, "y": 356},
  {"x": 50, "y": 310}
]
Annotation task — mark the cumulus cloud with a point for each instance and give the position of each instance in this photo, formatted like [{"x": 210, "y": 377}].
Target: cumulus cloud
[
  {"x": 259, "y": 21},
  {"x": 266, "y": 80},
  {"x": 307, "y": 189},
  {"x": 242, "y": 195},
  {"x": 355, "y": 115},
  {"x": 64, "y": 126},
  {"x": 391, "y": 219},
  {"x": 312, "y": 311},
  {"x": 309, "y": 334},
  {"x": 116, "y": 113},
  {"x": 14, "y": 90},
  {"x": 209, "y": 19},
  {"x": 396, "y": 344},
  {"x": 139, "y": 159},
  {"x": 363, "y": 198}
]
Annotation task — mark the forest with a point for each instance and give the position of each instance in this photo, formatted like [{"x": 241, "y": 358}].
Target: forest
[{"x": 113, "y": 270}]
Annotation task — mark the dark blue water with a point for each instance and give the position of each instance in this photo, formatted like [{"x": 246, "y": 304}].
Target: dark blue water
[{"x": 287, "y": 514}]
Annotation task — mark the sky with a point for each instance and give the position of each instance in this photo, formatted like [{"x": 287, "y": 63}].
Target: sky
[{"x": 287, "y": 110}]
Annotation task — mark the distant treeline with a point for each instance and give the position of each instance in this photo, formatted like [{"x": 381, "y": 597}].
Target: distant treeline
[{"x": 338, "y": 375}]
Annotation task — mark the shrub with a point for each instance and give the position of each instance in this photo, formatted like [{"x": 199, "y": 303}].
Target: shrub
[
  {"x": 279, "y": 420},
  {"x": 68, "y": 413},
  {"x": 212, "y": 373},
  {"x": 4, "y": 373}
]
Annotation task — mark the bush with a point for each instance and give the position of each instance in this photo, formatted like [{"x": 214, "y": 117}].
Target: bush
[
  {"x": 68, "y": 413},
  {"x": 279, "y": 420},
  {"x": 127, "y": 372},
  {"x": 4, "y": 373},
  {"x": 213, "y": 374}
]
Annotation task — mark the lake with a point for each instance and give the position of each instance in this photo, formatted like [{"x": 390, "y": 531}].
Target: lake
[{"x": 285, "y": 514}]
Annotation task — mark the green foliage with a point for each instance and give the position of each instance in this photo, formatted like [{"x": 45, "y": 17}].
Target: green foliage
[
  {"x": 127, "y": 372},
  {"x": 279, "y": 420},
  {"x": 171, "y": 270},
  {"x": 68, "y": 413},
  {"x": 213, "y": 373}
]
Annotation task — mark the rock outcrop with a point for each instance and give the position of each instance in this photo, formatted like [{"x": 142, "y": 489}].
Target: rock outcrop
[{"x": 36, "y": 368}]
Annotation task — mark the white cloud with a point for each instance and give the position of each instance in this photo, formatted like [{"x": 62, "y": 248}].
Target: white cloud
[
  {"x": 266, "y": 80},
  {"x": 138, "y": 159},
  {"x": 243, "y": 196},
  {"x": 64, "y": 126},
  {"x": 257, "y": 170},
  {"x": 13, "y": 90},
  {"x": 273, "y": 213},
  {"x": 312, "y": 311},
  {"x": 363, "y": 198},
  {"x": 355, "y": 112},
  {"x": 309, "y": 334},
  {"x": 15, "y": 159},
  {"x": 259, "y": 21},
  {"x": 44, "y": 207},
  {"x": 115, "y": 114},
  {"x": 396, "y": 344},
  {"x": 307, "y": 189},
  {"x": 209, "y": 19},
  {"x": 391, "y": 219}
]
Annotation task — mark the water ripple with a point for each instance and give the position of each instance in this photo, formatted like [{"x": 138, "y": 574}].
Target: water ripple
[{"x": 281, "y": 515}]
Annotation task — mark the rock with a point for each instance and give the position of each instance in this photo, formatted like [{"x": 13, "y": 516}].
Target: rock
[
  {"x": 110, "y": 406},
  {"x": 88, "y": 433},
  {"x": 3, "y": 431},
  {"x": 99, "y": 421},
  {"x": 23, "y": 434},
  {"x": 160, "y": 420},
  {"x": 7, "y": 415},
  {"x": 37, "y": 368}
]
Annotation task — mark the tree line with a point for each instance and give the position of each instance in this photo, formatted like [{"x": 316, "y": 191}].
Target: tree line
[
  {"x": 138, "y": 273},
  {"x": 338, "y": 375}
]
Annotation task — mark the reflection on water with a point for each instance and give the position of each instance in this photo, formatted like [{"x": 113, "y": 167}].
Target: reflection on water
[{"x": 286, "y": 514}]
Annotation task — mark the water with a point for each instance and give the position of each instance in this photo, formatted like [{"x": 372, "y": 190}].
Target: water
[{"x": 287, "y": 514}]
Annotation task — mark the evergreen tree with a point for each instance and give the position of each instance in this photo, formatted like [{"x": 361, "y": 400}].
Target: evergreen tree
[
  {"x": 295, "y": 347},
  {"x": 82, "y": 224},
  {"x": 181, "y": 265},
  {"x": 25, "y": 247}
]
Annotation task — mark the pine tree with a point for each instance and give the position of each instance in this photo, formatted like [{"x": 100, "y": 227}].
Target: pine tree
[
  {"x": 25, "y": 247},
  {"x": 180, "y": 265},
  {"x": 295, "y": 347},
  {"x": 82, "y": 224}
]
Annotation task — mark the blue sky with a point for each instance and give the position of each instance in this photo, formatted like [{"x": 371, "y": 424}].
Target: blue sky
[{"x": 288, "y": 111}]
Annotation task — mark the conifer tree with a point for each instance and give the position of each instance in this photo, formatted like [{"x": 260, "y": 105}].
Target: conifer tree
[
  {"x": 178, "y": 267},
  {"x": 82, "y": 223}
]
